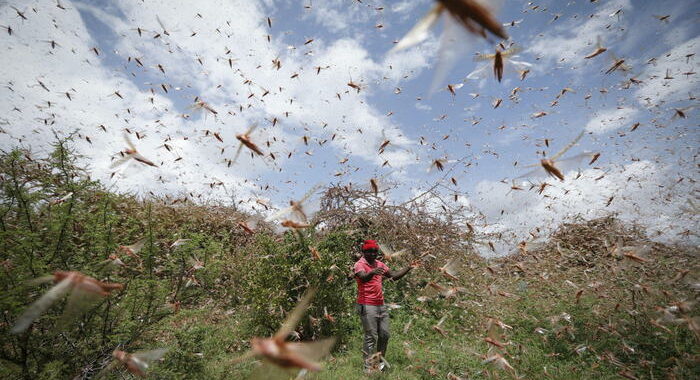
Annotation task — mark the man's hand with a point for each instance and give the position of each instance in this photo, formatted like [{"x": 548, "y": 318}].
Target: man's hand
[
  {"x": 377, "y": 270},
  {"x": 415, "y": 263}
]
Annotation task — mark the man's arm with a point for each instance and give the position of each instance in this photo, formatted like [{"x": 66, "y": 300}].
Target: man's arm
[
  {"x": 366, "y": 276},
  {"x": 396, "y": 275}
]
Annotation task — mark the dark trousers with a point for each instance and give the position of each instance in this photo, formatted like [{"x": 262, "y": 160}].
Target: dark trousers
[{"x": 375, "y": 323}]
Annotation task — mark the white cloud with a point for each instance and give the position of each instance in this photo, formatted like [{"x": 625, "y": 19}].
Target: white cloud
[
  {"x": 639, "y": 192},
  {"x": 573, "y": 39},
  {"x": 655, "y": 90},
  {"x": 250, "y": 91},
  {"x": 341, "y": 61},
  {"x": 611, "y": 119},
  {"x": 73, "y": 68},
  {"x": 406, "y": 64},
  {"x": 406, "y": 8},
  {"x": 341, "y": 16},
  {"x": 422, "y": 107}
]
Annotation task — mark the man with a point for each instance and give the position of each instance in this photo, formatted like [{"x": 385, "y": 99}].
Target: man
[{"x": 369, "y": 273}]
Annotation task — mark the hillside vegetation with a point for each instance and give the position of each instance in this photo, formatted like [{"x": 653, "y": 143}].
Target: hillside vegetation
[{"x": 597, "y": 300}]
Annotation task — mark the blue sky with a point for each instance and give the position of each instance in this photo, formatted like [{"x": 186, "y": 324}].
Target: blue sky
[{"x": 650, "y": 173}]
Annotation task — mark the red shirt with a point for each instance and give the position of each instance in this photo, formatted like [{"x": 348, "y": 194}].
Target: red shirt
[{"x": 370, "y": 292}]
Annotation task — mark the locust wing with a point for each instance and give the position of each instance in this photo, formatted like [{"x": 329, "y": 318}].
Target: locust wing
[
  {"x": 419, "y": 32},
  {"x": 567, "y": 147},
  {"x": 290, "y": 323},
  {"x": 41, "y": 305}
]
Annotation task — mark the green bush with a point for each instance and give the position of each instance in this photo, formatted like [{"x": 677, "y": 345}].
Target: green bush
[{"x": 276, "y": 274}]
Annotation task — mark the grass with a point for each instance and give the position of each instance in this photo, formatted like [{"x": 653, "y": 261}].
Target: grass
[{"x": 206, "y": 341}]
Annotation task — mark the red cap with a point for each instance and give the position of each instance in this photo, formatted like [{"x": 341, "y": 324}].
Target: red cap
[{"x": 369, "y": 244}]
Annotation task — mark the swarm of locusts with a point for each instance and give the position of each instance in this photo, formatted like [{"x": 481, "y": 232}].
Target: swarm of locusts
[{"x": 623, "y": 281}]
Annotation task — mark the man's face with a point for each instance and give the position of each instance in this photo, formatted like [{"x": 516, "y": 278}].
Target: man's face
[{"x": 370, "y": 255}]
